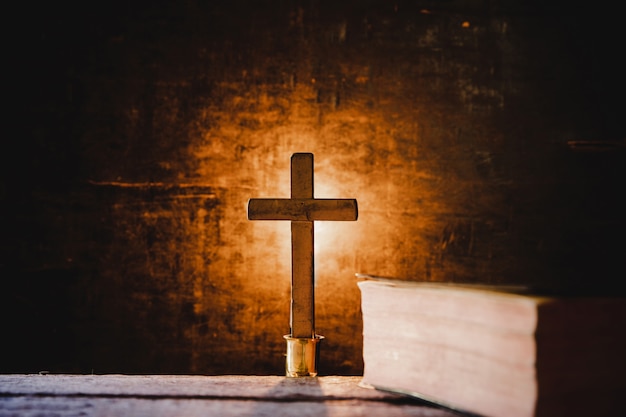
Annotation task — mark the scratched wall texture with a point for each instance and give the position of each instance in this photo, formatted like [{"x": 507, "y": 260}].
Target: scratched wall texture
[{"x": 484, "y": 142}]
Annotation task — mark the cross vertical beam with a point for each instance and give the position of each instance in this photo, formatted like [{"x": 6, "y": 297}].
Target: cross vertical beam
[{"x": 302, "y": 243}]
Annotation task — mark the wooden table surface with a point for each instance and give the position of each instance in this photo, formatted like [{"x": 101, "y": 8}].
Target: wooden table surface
[{"x": 186, "y": 395}]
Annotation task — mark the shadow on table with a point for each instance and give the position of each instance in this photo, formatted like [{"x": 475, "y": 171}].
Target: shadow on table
[{"x": 293, "y": 396}]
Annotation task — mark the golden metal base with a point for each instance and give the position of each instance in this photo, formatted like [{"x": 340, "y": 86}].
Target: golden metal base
[{"x": 302, "y": 356}]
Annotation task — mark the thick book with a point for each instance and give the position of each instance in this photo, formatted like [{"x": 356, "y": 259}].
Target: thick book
[{"x": 495, "y": 351}]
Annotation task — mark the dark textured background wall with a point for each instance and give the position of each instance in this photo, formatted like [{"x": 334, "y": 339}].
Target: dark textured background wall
[{"x": 484, "y": 141}]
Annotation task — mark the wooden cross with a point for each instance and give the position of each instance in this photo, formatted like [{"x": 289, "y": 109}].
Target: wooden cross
[{"x": 302, "y": 209}]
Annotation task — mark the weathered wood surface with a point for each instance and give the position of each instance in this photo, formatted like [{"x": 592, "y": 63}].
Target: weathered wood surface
[{"x": 165, "y": 395}]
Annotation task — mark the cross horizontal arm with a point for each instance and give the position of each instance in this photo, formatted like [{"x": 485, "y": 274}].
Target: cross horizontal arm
[{"x": 302, "y": 209}]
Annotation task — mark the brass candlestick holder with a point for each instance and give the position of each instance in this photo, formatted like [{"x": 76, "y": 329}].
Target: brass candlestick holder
[{"x": 302, "y": 355}]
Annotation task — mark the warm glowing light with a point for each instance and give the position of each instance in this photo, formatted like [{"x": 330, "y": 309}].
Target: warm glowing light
[
  {"x": 332, "y": 238},
  {"x": 465, "y": 24}
]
